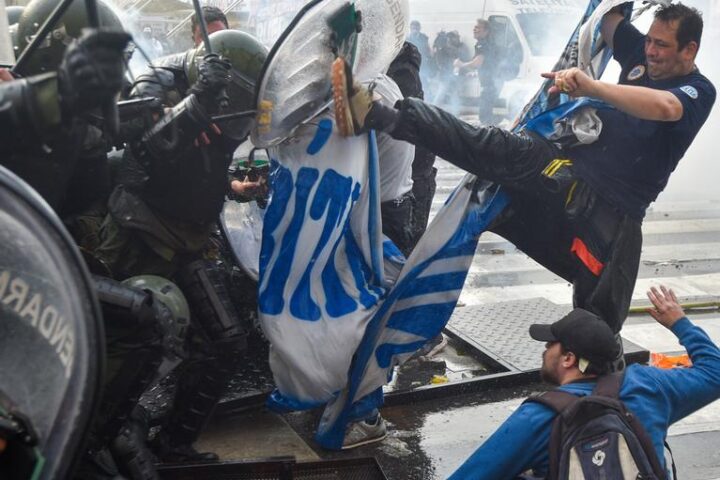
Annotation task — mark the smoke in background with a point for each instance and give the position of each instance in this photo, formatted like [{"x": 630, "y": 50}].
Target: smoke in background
[{"x": 697, "y": 174}]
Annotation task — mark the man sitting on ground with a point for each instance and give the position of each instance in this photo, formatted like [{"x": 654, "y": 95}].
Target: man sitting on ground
[{"x": 579, "y": 348}]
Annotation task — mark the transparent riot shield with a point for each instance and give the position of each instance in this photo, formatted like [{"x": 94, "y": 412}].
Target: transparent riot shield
[
  {"x": 295, "y": 85},
  {"x": 51, "y": 339}
]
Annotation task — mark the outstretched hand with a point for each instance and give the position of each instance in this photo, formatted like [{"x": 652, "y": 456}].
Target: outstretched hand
[
  {"x": 667, "y": 309},
  {"x": 572, "y": 81}
]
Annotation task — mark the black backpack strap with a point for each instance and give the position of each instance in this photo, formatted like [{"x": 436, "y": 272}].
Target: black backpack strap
[
  {"x": 609, "y": 385},
  {"x": 672, "y": 459},
  {"x": 554, "y": 399},
  {"x": 560, "y": 402}
]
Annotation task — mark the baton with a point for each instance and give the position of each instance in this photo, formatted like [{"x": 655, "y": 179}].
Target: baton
[
  {"x": 110, "y": 109},
  {"x": 222, "y": 96},
  {"x": 233, "y": 116}
]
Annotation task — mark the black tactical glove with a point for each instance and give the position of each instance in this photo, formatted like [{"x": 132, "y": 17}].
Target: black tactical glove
[
  {"x": 213, "y": 77},
  {"x": 91, "y": 73}
]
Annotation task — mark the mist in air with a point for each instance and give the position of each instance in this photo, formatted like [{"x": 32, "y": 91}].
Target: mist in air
[{"x": 697, "y": 173}]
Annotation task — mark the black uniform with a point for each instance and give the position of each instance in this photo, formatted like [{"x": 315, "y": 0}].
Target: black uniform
[
  {"x": 67, "y": 167},
  {"x": 489, "y": 81},
  {"x": 170, "y": 192},
  {"x": 405, "y": 71}
]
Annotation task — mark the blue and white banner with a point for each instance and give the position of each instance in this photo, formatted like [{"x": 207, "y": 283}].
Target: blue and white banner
[
  {"x": 340, "y": 307},
  {"x": 586, "y": 50}
]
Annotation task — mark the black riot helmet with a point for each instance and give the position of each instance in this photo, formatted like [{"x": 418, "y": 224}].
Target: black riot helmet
[
  {"x": 247, "y": 55},
  {"x": 51, "y": 339},
  {"x": 69, "y": 27}
]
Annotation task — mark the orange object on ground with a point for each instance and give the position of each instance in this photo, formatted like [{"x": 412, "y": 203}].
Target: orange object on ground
[{"x": 660, "y": 360}]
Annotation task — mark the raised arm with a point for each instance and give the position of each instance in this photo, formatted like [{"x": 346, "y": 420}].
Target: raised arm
[
  {"x": 686, "y": 389},
  {"x": 475, "y": 63},
  {"x": 609, "y": 24}
]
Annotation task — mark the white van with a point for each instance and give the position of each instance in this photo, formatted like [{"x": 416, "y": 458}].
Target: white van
[{"x": 540, "y": 28}]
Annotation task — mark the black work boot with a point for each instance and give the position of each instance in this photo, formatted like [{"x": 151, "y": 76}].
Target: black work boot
[
  {"x": 168, "y": 452},
  {"x": 130, "y": 448},
  {"x": 199, "y": 389},
  {"x": 98, "y": 465}
]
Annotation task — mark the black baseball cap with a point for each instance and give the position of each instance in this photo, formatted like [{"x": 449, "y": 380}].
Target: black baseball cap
[{"x": 582, "y": 333}]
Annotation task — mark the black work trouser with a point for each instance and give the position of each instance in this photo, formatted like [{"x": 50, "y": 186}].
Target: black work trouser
[
  {"x": 398, "y": 222},
  {"x": 575, "y": 234}
]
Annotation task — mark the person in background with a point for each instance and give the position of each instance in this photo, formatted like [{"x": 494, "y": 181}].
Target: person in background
[
  {"x": 215, "y": 20},
  {"x": 156, "y": 48},
  {"x": 421, "y": 42},
  {"x": 484, "y": 61}
]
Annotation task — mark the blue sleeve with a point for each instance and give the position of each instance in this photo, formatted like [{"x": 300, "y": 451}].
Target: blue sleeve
[
  {"x": 519, "y": 444},
  {"x": 628, "y": 42},
  {"x": 697, "y": 98},
  {"x": 689, "y": 389}
]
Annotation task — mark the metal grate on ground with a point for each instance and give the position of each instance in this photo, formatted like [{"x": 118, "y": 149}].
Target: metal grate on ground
[{"x": 500, "y": 332}]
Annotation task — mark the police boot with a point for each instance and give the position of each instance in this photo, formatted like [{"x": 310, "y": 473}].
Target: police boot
[
  {"x": 168, "y": 452},
  {"x": 357, "y": 108},
  {"x": 130, "y": 448},
  {"x": 199, "y": 390},
  {"x": 98, "y": 465}
]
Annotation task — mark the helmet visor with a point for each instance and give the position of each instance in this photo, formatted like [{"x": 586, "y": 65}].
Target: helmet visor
[{"x": 241, "y": 93}]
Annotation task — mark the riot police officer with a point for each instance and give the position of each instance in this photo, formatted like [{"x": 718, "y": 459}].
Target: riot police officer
[
  {"x": 142, "y": 322},
  {"x": 171, "y": 188}
]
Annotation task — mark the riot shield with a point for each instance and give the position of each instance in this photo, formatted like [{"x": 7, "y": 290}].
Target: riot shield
[
  {"x": 242, "y": 226},
  {"x": 51, "y": 338},
  {"x": 295, "y": 83}
]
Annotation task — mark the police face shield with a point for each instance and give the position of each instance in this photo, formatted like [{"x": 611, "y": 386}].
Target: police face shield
[
  {"x": 7, "y": 56},
  {"x": 241, "y": 92},
  {"x": 51, "y": 339},
  {"x": 295, "y": 88}
]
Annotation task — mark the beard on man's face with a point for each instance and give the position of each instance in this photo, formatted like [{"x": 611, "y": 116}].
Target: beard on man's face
[{"x": 547, "y": 371}]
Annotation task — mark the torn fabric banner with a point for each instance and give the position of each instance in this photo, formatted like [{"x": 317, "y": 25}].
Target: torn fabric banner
[{"x": 333, "y": 297}]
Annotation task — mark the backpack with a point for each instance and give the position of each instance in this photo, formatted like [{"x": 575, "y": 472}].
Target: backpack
[{"x": 597, "y": 437}]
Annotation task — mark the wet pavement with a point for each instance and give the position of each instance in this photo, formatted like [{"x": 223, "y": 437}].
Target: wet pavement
[{"x": 428, "y": 439}]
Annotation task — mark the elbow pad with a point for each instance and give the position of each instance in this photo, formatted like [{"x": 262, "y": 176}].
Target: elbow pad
[{"x": 177, "y": 129}]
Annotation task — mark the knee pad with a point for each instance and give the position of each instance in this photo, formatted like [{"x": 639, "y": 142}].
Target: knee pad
[{"x": 206, "y": 288}]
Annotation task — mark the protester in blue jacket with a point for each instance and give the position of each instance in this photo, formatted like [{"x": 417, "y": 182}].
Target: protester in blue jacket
[{"x": 580, "y": 347}]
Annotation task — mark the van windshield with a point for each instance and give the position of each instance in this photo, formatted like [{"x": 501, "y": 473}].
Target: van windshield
[{"x": 546, "y": 32}]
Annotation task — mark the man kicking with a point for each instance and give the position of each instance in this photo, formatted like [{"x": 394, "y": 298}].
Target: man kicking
[{"x": 576, "y": 208}]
